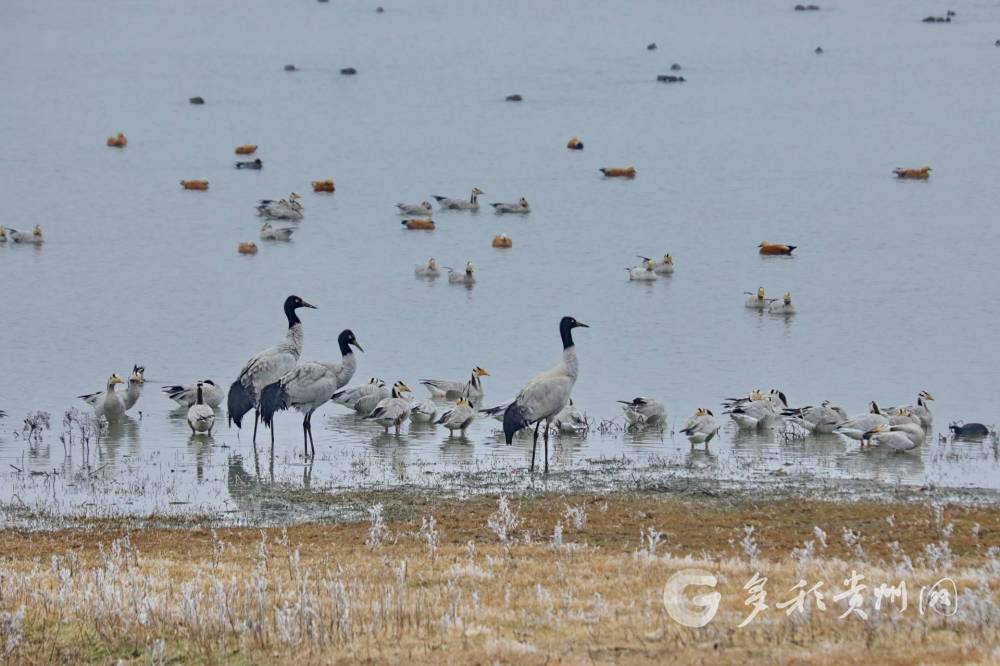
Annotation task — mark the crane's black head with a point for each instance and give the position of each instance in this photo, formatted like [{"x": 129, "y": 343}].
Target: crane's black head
[
  {"x": 293, "y": 303},
  {"x": 346, "y": 339},
  {"x": 566, "y": 326}
]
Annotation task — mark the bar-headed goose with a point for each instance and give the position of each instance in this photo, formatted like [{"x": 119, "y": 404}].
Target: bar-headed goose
[{"x": 460, "y": 204}]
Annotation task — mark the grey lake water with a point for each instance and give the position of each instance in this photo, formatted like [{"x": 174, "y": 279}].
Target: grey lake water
[{"x": 895, "y": 281}]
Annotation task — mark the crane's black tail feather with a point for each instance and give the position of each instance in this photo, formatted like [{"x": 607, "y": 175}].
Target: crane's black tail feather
[
  {"x": 273, "y": 398},
  {"x": 239, "y": 402},
  {"x": 514, "y": 419}
]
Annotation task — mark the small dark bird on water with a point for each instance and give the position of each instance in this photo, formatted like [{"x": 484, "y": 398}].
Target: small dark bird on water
[
  {"x": 969, "y": 430},
  {"x": 670, "y": 78},
  {"x": 290, "y": 68},
  {"x": 197, "y": 100},
  {"x": 651, "y": 46},
  {"x": 819, "y": 49},
  {"x": 514, "y": 98},
  {"x": 348, "y": 71},
  {"x": 256, "y": 164}
]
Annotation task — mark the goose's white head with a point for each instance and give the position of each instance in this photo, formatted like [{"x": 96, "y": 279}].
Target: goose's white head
[
  {"x": 469, "y": 268},
  {"x": 400, "y": 388},
  {"x": 523, "y": 202},
  {"x": 115, "y": 379},
  {"x": 37, "y": 232},
  {"x": 788, "y": 298},
  {"x": 924, "y": 395},
  {"x": 476, "y": 191},
  {"x": 137, "y": 375},
  {"x": 667, "y": 259},
  {"x": 432, "y": 264},
  {"x": 648, "y": 264},
  {"x": 760, "y": 293},
  {"x": 479, "y": 372}
]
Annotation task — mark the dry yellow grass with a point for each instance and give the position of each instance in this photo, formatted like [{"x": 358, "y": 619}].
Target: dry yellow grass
[{"x": 455, "y": 591}]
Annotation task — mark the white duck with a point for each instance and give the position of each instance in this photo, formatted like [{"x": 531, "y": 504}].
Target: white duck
[
  {"x": 663, "y": 266},
  {"x": 644, "y": 273}
]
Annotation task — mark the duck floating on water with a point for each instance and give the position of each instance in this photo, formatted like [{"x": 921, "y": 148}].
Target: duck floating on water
[
  {"x": 756, "y": 301},
  {"x": 267, "y": 232},
  {"x": 775, "y": 248},
  {"x": 663, "y": 266},
  {"x": 514, "y": 98},
  {"x": 117, "y": 141},
  {"x": 447, "y": 203},
  {"x": 466, "y": 277},
  {"x": 575, "y": 144},
  {"x": 246, "y": 149},
  {"x": 782, "y": 307},
  {"x": 255, "y": 164},
  {"x": 520, "y": 207},
  {"x": 419, "y": 224},
  {"x": 502, "y": 241},
  {"x": 422, "y": 208},
  {"x": 670, "y": 78},
  {"x": 644, "y": 273},
  {"x": 913, "y": 173},
  {"x": 619, "y": 172},
  {"x": 323, "y": 185},
  {"x": 969, "y": 430},
  {"x": 247, "y": 248},
  {"x": 33, "y": 238},
  {"x": 196, "y": 100},
  {"x": 428, "y": 270},
  {"x": 348, "y": 71},
  {"x": 196, "y": 184}
]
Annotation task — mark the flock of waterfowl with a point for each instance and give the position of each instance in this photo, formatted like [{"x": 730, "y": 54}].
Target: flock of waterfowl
[{"x": 276, "y": 378}]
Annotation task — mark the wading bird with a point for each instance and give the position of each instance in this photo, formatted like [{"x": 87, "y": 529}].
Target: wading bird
[
  {"x": 308, "y": 387},
  {"x": 200, "y": 416},
  {"x": 545, "y": 396},
  {"x": 266, "y": 367}
]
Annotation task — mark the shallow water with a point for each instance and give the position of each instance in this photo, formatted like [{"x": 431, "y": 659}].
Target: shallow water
[{"x": 766, "y": 140}]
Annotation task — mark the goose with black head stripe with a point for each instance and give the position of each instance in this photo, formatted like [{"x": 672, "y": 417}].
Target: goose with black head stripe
[
  {"x": 185, "y": 395},
  {"x": 449, "y": 389},
  {"x": 308, "y": 387},
  {"x": 266, "y": 367},
  {"x": 545, "y": 396}
]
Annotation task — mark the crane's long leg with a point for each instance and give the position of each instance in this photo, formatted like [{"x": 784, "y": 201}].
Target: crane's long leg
[
  {"x": 305, "y": 435},
  {"x": 546, "y": 447},
  {"x": 256, "y": 416},
  {"x": 312, "y": 441},
  {"x": 534, "y": 443}
]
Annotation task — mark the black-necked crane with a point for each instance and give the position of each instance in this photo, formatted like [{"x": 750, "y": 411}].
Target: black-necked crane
[
  {"x": 308, "y": 387},
  {"x": 266, "y": 367},
  {"x": 545, "y": 395}
]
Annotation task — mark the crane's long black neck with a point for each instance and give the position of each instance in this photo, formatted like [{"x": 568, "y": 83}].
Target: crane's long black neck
[
  {"x": 566, "y": 332},
  {"x": 293, "y": 318},
  {"x": 345, "y": 349}
]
